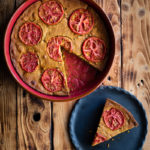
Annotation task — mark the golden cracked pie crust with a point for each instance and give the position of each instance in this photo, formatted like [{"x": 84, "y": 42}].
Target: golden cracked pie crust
[{"x": 18, "y": 48}]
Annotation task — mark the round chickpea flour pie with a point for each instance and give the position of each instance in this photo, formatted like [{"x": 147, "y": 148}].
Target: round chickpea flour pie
[{"x": 59, "y": 46}]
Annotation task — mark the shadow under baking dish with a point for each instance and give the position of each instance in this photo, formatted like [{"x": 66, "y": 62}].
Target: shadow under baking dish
[{"x": 78, "y": 94}]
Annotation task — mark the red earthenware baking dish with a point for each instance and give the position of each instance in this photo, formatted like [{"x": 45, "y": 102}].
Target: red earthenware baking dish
[{"x": 78, "y": 94}]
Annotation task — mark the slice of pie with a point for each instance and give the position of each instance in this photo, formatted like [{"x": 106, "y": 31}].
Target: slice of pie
[
  {"x": 79, "y": 74},
  {"x": 115, "y": 119}
]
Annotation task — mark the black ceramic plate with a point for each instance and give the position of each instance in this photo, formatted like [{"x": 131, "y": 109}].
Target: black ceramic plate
[{"x": 85, "y": 117}]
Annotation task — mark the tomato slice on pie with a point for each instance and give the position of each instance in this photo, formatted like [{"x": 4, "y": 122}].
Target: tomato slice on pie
[
  {"x": 53, "y": 49},
  {"x": 115, "y": 119},
  {"x": 51, "y": 12},
  {"x": 81, "y": 21},
  {"x": 99, "y": 138},
  {"x": 29, "y": 62},
  {"x": 30, "y": 33},
  {"x": 94, "y": 49},
  {"x": 54, "y": 45},
  {"x": 52, "y": 80},
  {"x": 65, "y": 43}
]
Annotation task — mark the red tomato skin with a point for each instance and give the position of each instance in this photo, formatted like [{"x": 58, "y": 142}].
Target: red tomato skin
[
  {"x": 103, "y": 43},
  {"x": 60, "y": 73},
  {"x": 34, "y": 25},
  {"x": 76, "y": 31},
  {"x": 58, "y": 20},
  {"x": 35, "y": 62},
  {"x": 108, "y": 113}
]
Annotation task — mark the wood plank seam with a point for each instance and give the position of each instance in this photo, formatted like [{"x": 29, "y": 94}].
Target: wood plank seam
[{"x": 121, "y": 45}]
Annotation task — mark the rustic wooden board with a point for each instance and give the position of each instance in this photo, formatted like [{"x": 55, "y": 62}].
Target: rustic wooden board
[
  {"x": 7, "y": 87},
  {"x": 33, "y": 122},
  {"x": 61, "y": 111},
  {"x": 136, "y": 52}
]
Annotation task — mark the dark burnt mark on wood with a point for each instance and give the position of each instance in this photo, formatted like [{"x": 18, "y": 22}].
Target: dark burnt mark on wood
[
  {"x": 130, "y": 54},
  {"x": 141, "y": 12},
  {"x": 134, "y": 76},
  {"x": 33, "y": 82},
  {"x": 148, "y": 32},
  {"x": 37, "y": 101},
  {"x": 123, "y": 36},
  {"x": 110, "y": 16},
  {"x": 25, "y": 108},
  {"x": 131, "y": 27},
  {"x": 125, "y": 7},
  {"x": 119, "y": 2},
  {"x": 114, "y": 22},
  {"x": 130, "y": 76},
  {"x": 65, "y": 147},
  {"x": 54, "y": 115},
  {"x": 132, "y": 1},
  {"x": 31, "y": 148},
  {"x": 47, "y": 118},
  {"x": 39, "y": 136},
  {"x": 1, "y": 141},
  {"x": 146, "y": 68},
  {"x": 2, "y": 128},
  {"x": 30, "y": 141},
  {"x": 45, "y": 147}
]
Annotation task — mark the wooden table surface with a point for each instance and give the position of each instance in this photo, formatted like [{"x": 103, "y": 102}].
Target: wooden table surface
[{"x": 30, "y": 123}]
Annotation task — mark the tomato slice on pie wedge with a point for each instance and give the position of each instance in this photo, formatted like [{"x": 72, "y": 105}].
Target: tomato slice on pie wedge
[
  {"x": 81, "y": 21},
  {"x": 29, "y": 62},
  {"x": 51, "y": 12},
  {"x": 54, "y": 45},
  {"x": 114, "y": 118},
  {"x": 52, "y": 80},
  {"x": 99, "y": 138},
  {"x": 30, "y": 33},
  {"x": 94, "y": 49}
]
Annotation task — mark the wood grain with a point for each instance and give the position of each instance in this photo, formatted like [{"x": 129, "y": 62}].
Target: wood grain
[
  {"x": 61, "y": 111},
  {"x": 136, "y": 52},
  {"x": 7, "y": 87},
  {"x": 33, "y": 122}
]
